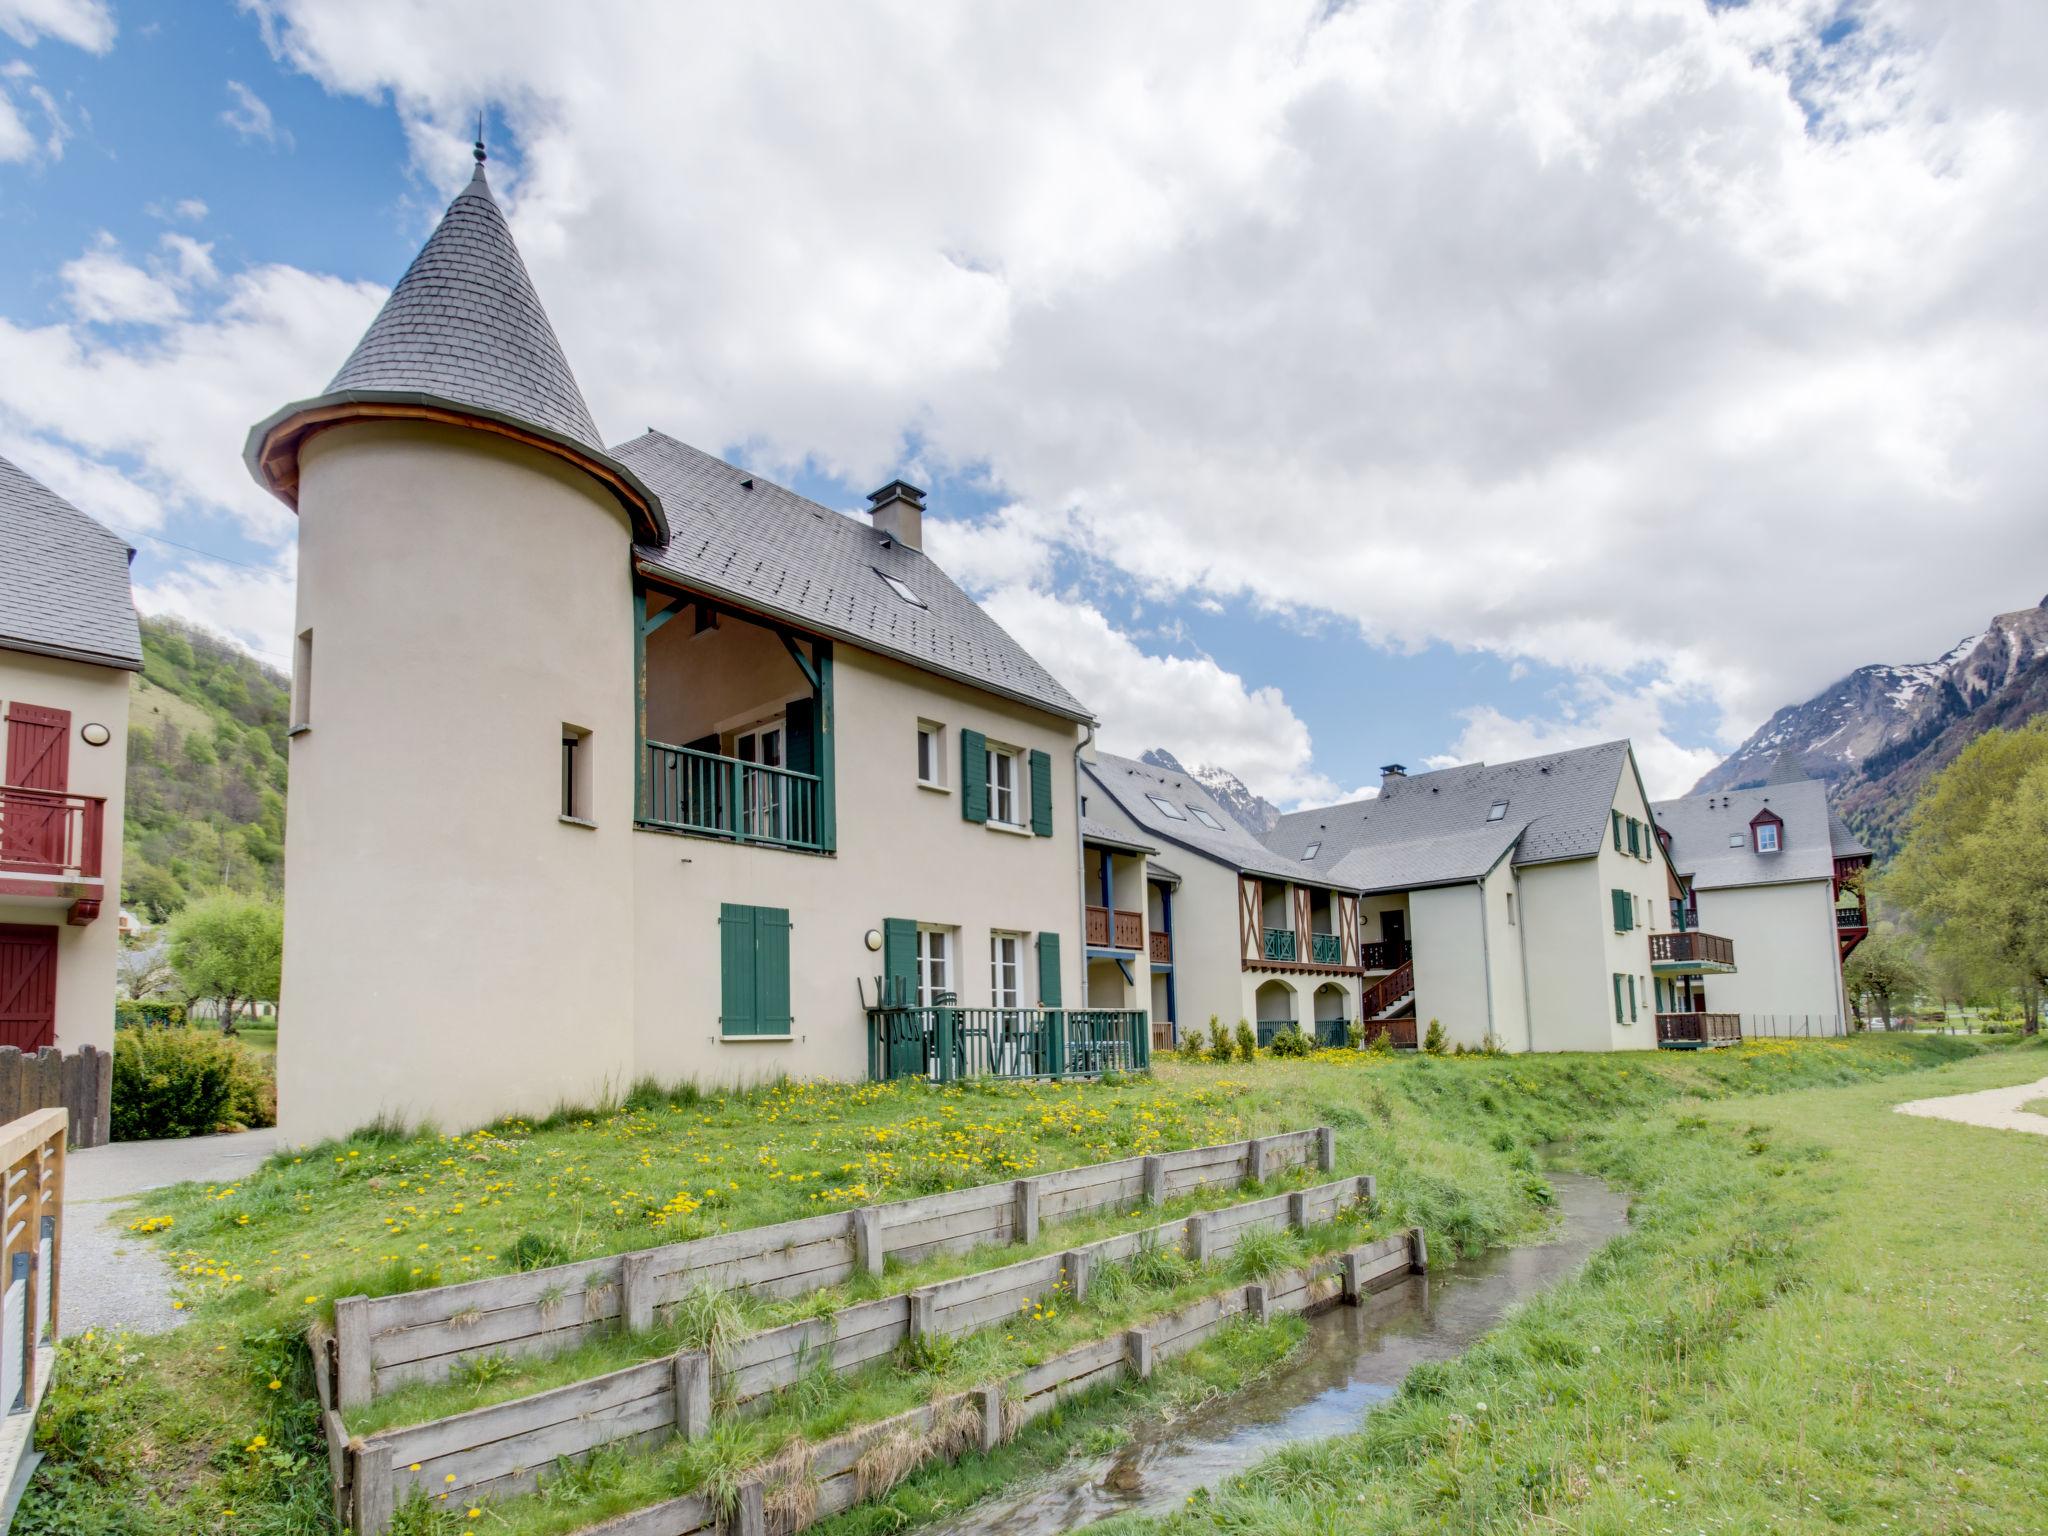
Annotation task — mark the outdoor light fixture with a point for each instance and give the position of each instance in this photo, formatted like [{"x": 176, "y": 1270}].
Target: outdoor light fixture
[
  {"x": 95, "y": 734},
  {"x": 874, "y": 939}
]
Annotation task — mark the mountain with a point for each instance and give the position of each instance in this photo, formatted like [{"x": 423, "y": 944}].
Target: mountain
[
  {"x": 1881, "y": 732},
  {"x": 1254, "y": 813},
  {"x": 206, "y": 772}
]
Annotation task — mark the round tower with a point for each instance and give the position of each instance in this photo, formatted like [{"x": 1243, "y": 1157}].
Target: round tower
[{"x": 458, "y": 884}]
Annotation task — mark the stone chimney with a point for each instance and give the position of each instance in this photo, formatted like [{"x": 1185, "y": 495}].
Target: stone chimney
[
  {"x": 1390, "y": 774},
  {"x": 898, "y": 511}
]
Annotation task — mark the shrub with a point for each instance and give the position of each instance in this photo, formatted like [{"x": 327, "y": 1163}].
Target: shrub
[
  {"x": 1247, "y": 1041},
  {"x": 1219, "y": 1040},
  {"x": 1354, "y": 1034},
  {"x": 536, "y": 1250},
  {"x": 130, "y": 1012},
  {"x": 1289, "y": 1042},
  {"x": 1382, "y": 1043},
  {"x": 1433, "y": 1041},
  {"x": 185, "y": 1082},
  {"x": 1192, "y": 1047}
]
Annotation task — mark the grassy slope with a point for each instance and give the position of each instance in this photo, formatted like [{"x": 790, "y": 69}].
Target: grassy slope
[{"x": 163, "y": 1434}]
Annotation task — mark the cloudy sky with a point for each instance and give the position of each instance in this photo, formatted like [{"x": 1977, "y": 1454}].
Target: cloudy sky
[{"x": 1310, "y": 385}]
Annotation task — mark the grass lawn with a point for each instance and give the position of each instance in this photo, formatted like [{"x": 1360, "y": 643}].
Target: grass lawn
[
  {"x": 259, "y": 1037},
  {"x": 212, "y": 1428}
]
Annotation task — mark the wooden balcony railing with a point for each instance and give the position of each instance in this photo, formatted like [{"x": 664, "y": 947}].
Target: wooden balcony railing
[
  {"x": 1385, "y": 956},
  {"x": 1387, "y": 991},
  {"x": 692, "y": 791},
  {"x": 1281, "y": 944},
  {"x": 1095, "y": 927},
  {"x": 1851, "y": 917},
  {"x": 1326, "y": 949},
  {"x": 1685, "y": 1030},
  {"x": 1676, "y": 951},
  {"x": 32, "y": 1226},
  {"x": 1162, "y": 948},
  {"x": 48, "y": 832},
  {"x": 948, "y": 1044},
  {"x": 1107, "y": 929}
]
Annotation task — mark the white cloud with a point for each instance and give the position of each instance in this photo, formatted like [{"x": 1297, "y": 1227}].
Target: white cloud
[
  {"x": 249, "y": 605},
  {"x": 87, "y": 24},
  {"x": 1014, "y": 546},
  {"x": 184, "y": 210},
  {"x": 1594, "y": 712},
  {"x": 102, "y": 285},
  {"x": 251, "y": 117},
  {"x": 18, "y": 142}
]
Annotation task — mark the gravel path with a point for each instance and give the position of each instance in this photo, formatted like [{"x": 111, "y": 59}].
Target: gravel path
[
  {"x": 1998, "y": 1108},
  {"x": 111, "y": 1278}
]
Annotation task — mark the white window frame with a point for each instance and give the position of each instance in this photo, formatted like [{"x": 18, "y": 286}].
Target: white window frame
[
  {"x": 934, "y": 965},
  {"x": 761, "y": 807},
  {"x": 1206, "y": 819},
  {"x": 1497, "y": 811},
  {"x": 902, "y": 590},
  {"x": 1768, "y": 829},
  {"x": 1008, "y": 803},
  {"x": 1005, "y": 991},
  {"x": 1167, "y": 808},
  {"x": 934, "y": 733}
]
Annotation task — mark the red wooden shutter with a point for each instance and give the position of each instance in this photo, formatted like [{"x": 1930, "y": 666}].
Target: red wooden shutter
[
  {"x": 38, "y": 747},
  {"x": 28, "y": 986}
]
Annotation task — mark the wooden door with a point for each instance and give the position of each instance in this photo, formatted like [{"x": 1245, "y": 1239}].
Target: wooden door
[
  {"x": 28, "y": 986},
  {"x": 38, "y": 757}
]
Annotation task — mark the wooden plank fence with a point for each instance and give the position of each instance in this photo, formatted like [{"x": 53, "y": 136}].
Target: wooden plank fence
[
  {"x": 501, "y": 1450},
  {"x": 31, "y": 1266},
  {"x": 381, "y": 1343},
  {"x": 80, "y": 1084},
  {"x": 809, "y": 1483}
]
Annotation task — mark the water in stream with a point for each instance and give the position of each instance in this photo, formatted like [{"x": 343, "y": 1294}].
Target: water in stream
[{"x": 1353, "y": 1359}]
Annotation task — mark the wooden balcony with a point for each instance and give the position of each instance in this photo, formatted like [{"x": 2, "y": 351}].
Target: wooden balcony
[
  {"x": 1281, "y": 945},
  {"x": 1385, "y": 956},
  {"x": 49, "y": 841},
  {"x": 1847, "y": 918},
  {"x": 1325, "y": 949},
  {"x": 1691, "y": 953},
  {"x": 1697, "y": 1031},
  {"x": 713, "y": 796},
  {"x": 1162, "y": 948},
  {"x": 1109, "y": 929}
]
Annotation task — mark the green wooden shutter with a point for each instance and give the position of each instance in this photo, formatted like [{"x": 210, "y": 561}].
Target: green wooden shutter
[
  {"x": 800, "y": 750},
  {"x": 1633, "y": 836},
  {"x": 973, "y": 775},
  {"x": 1041, "y": 793},
  {"x": 899, "y": 961},
  {"x": 1617, "y": 830},
  {"x": 1048, "y": 970},
  {"x": 1617, "y": 997},
  {"x": 738, "y": 1013},
  {"x": 1631, "y": 999},
  {"x": 1624, "y": 919},
  {"x": 771, "y": 971}
]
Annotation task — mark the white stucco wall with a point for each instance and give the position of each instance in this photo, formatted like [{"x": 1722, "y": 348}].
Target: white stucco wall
[
  {"x": 453, "y": 950},
  {"x": 85, "y": 954},
  {"x": 904, "y": 851},
  {"x": 1786, "y": 954}
]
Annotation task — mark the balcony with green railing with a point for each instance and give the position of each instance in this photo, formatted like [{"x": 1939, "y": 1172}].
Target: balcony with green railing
[
  {"x": 688, "y": 790},
  {"x": 1326, "y": 949},
  {"x": 1281, "y": 944},
  {"x": 947, "y": 1044}
]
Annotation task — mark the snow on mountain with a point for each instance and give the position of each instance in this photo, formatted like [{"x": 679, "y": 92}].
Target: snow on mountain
[{"x": 1256, "y": 814}]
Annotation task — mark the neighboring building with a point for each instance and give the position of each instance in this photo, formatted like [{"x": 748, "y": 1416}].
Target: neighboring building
[
  {"x": 1247, "y": 934},
  {"x": 624, "y": 762},
  {"x": 1511, "y": 902},
  {"x": 1773, "y": 870},
  {"x": 68, "y": 640}
]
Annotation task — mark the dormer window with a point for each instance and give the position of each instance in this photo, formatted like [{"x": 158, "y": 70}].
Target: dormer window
[
  {"x": 1497, "y": 810},
  {"x": 1767, "y": 838},
  {"x": 1767, "y": 831}
]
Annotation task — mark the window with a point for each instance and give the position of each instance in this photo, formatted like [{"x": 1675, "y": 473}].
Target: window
[
  {"x": 931, "y": 754},
  {"x": 1205, "y": 818},
  {"x": 1617, "y": 999},
  {"x": 1167, "y": 808},
  {"x": 1003, "y": 794},
  {"x": 1005, "y": 954},
  {"x": 576, "y": 774},
  {"x": 302, "y": 682},
  {"x": 1497, "y": 810},
  {"x": 761, "y": 799},
  {"x": 934, "y": 967},
  {"x": 1767, "y": 837},
  {"x": 1734, "y": 839},
  {"x": 753, "y": 950},
  {"x": 1635, "y": 837},
  {"x": 901, "y": 590},
  {"x": 1511, "y": 909},
  {"x": 1617, "y": 829},
  {"x": 1310, "y": 852}
]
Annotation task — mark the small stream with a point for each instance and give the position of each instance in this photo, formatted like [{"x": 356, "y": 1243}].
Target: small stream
[{"x": 1353, "y": 1359}]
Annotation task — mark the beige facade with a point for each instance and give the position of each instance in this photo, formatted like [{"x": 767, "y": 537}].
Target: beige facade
[
  {"x": 1788, "y": 975},
  {"x": 86, "y": 950}
]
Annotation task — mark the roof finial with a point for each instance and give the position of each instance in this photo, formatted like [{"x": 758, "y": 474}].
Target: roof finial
[{"x": 479, "y": 150}]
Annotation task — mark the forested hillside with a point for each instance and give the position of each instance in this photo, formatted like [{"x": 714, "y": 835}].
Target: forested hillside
[{"x": 206, "y": 772}]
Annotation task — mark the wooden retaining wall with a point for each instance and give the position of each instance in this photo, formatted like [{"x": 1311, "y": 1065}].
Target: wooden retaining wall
[
  {"x": 501, "y": 1450},
  {"x": 382, "y": 1343},
  {"x": 807, "y": 1484}
]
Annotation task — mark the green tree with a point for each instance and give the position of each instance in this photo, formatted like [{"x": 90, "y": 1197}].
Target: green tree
[
  {"x": 229, "y": 948},
  {"x": 1883, "y": 971},
  {"x": 1973, "y": 873}
]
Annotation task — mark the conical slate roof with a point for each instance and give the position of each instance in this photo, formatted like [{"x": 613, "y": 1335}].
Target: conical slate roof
[{"x": 465, "y": 324}]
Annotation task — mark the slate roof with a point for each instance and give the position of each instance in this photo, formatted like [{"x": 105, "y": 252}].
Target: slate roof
[
  {"x": 465, "y": 324},
  {"x": 1702, "y": 828},
  {"x": 1093, "y": 831},
  {"x": 737, "y": 535},
  {"x": 1128, "y": 781},
  {"x": 63, "y": 579},
  {"x": 1431, "y": 828}
]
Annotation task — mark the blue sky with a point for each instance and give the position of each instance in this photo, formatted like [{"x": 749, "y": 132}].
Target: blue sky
[{"x": 1403, "y": 477}]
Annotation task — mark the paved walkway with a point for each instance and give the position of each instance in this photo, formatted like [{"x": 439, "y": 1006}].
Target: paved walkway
[
  {"x": 1998, "y": 1108},
  {"x": 113, "y": 1279}
]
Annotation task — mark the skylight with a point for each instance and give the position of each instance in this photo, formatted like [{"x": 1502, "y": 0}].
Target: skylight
[
  {"x": 901, "y": 590},
  {"x": 1310, "y": 852},
  {"x": 1205, "y": 818},
  {"x": 1498, "y": 809},
  {"x": 1167, "y": 808}
]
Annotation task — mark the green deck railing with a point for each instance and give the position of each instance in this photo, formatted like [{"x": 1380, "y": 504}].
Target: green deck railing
[
  {"x": 691, "y": 791},
  {"x": 1280, "y": 944},
  {"x": 946, "y": 1044},
  {"x": 1326, "y": 949}
]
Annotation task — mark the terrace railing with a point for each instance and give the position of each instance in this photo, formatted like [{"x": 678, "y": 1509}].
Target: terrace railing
[
  {"x": 1162, "y": 948},
  {"x": 1384, "y": 956},
  {"x": 1691, "y": 948},
  {"x": 1326, "y": 949},
  {"x": 1681, "y": 1030},
  {"x": 1851, "y": 917},
  {"x": 50, "y": 832},
  {"x": 1333, "y": 1032},
  {"x": 703, "y": 792},
  {"x": 1281, "y": 944},
  {"x": 946, "y": 1044}
]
